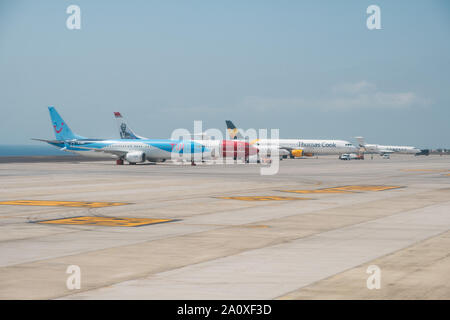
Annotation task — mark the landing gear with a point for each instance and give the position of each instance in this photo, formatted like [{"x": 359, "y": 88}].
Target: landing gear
[{"x": 119, "y": 162}]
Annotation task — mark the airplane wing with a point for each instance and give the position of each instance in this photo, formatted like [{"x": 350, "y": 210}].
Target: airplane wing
[
  {"x": 385, "y": 151},
  {"x": 287, "y": 149},
  {"x": 55, "y": 143},
  {"x": 116, "y": 153},
  {"x": 48, "y": 141}
]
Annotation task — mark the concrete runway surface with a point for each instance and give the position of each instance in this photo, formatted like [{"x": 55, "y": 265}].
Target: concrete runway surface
[{"x": 170, "y": 231}]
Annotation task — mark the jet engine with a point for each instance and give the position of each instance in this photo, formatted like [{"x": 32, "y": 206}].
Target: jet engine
[
  {"x": 297, "y": 153},
  {"x": 135, "y": 156}
]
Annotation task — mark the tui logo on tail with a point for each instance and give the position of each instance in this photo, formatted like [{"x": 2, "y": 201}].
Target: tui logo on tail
[{"x": 56, "y": 129}]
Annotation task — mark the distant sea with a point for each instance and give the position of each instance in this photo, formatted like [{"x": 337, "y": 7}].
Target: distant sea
[{"x": 30, "y": 150}]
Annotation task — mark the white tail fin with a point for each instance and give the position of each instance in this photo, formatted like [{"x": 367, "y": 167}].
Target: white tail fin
[
  {"x": 361, "y": 141},
  {"x": 124, "y": 130}
]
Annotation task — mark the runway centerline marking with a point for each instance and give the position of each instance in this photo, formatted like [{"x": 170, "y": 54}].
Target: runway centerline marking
[
  {"x": 106, "y": 221},
  {"x": 263, "y": 198},
  {"x": 52, "y": 203}
]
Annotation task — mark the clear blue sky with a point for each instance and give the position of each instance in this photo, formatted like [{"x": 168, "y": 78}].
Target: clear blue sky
[{"x": 310, "y": 68}]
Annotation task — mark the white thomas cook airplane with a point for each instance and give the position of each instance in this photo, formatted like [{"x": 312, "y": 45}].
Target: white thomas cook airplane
[
  {"x": 296, "y": 147},
  {"x": 382, "y": 150}
]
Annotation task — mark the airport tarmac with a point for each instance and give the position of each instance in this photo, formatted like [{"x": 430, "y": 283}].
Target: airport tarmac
[{"x": 170, "y": 231}]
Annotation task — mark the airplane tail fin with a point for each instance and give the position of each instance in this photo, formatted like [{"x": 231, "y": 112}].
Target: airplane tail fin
[
  {"x": 361, "y": 141},
  {"x": 233, "y": 131},
  {"x": 423, "y": 152},
  {"x": 124, "y": 130},
  {"x": 62, "y": 130}
]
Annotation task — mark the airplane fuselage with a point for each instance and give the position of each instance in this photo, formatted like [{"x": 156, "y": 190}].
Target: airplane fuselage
[
  {"x": 149, "y": 149},
  {"x": 380, "y": 149},
  {"x": 229, "y": 148},
  {"x": 311, "y": 146}
]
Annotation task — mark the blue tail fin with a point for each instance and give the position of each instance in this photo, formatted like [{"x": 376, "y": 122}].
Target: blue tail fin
[{"x": 62, "y": 130}]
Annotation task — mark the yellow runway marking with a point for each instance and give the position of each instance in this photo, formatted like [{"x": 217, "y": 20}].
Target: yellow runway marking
[
  {"x": 328, "y": 190},
  {"x": 366, "y": 188},
  {"x": 81, "y": 204},
  {"x": 106, "y": 221},
  {"x": 263, "y": 198},
  {"x": 345, "y": 189}
]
